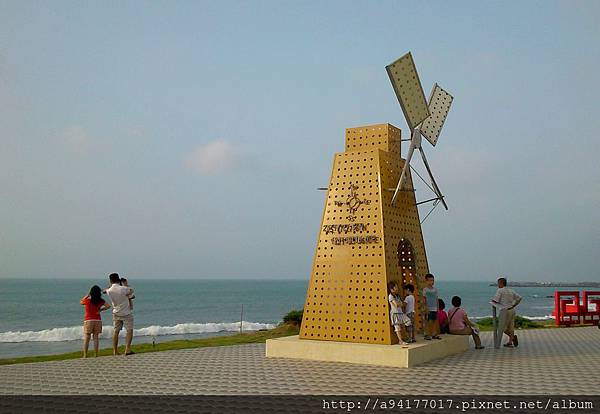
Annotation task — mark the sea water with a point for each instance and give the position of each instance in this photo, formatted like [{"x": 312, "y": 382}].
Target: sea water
[{"x": 43, "y": 316}]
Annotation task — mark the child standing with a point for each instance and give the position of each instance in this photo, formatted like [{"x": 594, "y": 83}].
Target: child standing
[
  {"x": 409, "y": 310},
  {"x": 92, "y": 321},
  {"x": 430, "y": 296},
  {"x": 399, "y": 319}
]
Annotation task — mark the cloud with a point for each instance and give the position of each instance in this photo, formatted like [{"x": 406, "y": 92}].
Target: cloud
[
  {"x": 77, "y": 140},
  {"x": 213, "y": 158}
]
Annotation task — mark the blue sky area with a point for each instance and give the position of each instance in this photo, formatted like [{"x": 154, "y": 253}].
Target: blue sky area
[{"x": 187, "y": 139}]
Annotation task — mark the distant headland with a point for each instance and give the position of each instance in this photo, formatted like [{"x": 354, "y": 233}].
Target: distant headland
[{"x": 552, "y": 284}]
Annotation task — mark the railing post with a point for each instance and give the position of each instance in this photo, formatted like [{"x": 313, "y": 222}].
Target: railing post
[{"x": 497, "y": 339}]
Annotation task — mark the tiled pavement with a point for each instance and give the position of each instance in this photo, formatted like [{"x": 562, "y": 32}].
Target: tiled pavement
[{"x": 557, "y": 361}]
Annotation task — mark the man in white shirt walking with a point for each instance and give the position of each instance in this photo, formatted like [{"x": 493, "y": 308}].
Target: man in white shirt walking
[
  {"x": 122, "y": 314},
  {"x": 507, "y": 299}
]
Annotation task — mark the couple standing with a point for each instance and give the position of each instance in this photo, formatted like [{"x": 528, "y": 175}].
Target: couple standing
[{"x": 122, "y": 310}]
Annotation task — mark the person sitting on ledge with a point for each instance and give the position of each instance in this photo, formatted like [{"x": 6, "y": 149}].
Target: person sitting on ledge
[
  {"x": 442, "y": 316},
  {"x": 459, "y": 322}
]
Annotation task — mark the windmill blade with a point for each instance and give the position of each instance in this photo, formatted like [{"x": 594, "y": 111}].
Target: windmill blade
[
  {"x": 439, "y": 105},
  {"x": 415, "y": 142},
  {"x": 407, "y": 86},
  {"x": 433, "y": 183}
]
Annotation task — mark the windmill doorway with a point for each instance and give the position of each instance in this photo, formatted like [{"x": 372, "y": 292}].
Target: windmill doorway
[
  {"x": 408, "y": 273},
  {"x": 406, "y": 262}
]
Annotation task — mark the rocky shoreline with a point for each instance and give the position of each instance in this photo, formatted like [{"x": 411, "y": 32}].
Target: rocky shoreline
[{"x": 553, "y": 284}]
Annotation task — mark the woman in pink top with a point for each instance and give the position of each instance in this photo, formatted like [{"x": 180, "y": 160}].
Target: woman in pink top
[{"x": 460, "y": 324}]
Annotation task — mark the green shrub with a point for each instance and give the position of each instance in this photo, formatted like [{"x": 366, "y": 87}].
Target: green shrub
[
  {"x": 484, "y": 323},
  {"x": 294, "y": 317}
]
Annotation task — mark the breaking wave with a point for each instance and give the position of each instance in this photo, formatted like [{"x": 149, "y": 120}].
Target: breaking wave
[
  {"x": 72, "y": 333},
  {"x": 532, "y": 318}
]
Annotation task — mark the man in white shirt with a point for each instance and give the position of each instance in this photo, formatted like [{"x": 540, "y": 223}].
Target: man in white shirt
[
  {"x": 508, "y": 300},
  {"x": 122, "y": 314}
]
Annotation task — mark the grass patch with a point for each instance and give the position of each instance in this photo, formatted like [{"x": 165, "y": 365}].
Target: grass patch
[
  {"x": 486, "y": 324},
  {"x": 238, "y": 339}
]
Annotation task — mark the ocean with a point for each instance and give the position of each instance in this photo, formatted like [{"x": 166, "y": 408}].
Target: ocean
[{"x": 43, "y": 316}]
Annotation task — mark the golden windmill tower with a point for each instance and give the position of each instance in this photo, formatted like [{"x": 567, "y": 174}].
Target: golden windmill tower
[{"x": 370, "y": 230}]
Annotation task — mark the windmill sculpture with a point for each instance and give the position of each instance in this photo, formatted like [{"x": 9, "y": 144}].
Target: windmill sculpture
[
  {"x": 426, "y": 119},
  {"x": 370, "y": 229}
]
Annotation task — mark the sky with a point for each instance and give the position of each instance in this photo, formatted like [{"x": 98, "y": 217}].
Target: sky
[{"x": 188, "y": 139}]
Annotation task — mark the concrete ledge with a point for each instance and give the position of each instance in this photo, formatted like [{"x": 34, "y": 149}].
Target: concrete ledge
[{"x": 370, "y": 354}]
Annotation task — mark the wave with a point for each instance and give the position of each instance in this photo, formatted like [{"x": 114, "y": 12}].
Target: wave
[
  {"x": 538, "y": 318},
  {"x": 72, "y": 333},
  {"x": 532, "y": 318}
]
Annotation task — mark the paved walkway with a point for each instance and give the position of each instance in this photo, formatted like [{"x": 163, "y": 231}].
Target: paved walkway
[{"x": 556, "y": 361}]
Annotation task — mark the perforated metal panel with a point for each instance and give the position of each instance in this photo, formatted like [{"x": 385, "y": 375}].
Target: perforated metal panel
[
  {"x": 402, "y": 225},
  {"x": 382, "y": 136},
  {"x": 359, "y": 240},
  {"x": 439, "y": 105},
  {"x": 409, "y": 92}
]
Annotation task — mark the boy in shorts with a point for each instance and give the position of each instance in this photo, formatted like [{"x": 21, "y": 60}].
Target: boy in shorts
[{"x": 430, "y": 297}]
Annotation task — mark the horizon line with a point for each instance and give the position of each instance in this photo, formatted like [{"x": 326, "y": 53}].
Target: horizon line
[{"x": 269, "y": 279}]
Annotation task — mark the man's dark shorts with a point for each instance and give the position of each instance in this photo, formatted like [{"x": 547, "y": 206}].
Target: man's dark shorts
[{"x": 432, "y": 316}]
